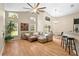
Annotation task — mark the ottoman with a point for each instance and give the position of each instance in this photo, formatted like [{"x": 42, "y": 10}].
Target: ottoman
[
  {"x": 32, "y": 38},
  {"x": 42, "y": 39}
]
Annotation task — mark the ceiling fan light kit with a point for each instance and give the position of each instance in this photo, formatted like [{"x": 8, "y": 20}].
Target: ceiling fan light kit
[{"x": 35, "y": 8}]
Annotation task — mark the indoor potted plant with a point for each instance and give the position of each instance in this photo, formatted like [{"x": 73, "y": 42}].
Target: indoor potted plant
[{"x": 10, "y": 27}]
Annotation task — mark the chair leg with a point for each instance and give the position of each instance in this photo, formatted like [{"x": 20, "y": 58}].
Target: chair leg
[
  {"x": 69, "y": 47},
  {"x": 75, "y": 47},
  {"x": 66, "y": 45},
  {"x": 61, "y": 41}
]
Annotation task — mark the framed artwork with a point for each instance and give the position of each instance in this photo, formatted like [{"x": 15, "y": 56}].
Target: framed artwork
[
  {"x": 47, "y": 18},
  {"x": 24, "y": 26}
]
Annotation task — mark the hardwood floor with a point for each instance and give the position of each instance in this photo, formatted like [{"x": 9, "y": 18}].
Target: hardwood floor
[{"x": 26, "y": 48}]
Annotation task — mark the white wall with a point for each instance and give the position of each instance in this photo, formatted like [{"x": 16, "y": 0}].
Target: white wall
[
  {"x": 58, "y": 24},
  {"x": 42, "y": 22},
  {"x": 2, "y": 27},
  {"x": 65, "y": 23},
  {"x": 24, "y": 17}
]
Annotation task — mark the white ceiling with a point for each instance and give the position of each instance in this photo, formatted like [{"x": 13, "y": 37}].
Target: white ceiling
[{"x": 54, "y": 9}]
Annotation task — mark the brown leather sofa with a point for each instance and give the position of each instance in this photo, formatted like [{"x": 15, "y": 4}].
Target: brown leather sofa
[
  {"x": 35, "y": 37},
  {"x": 29, "y": 37},
  {"x": 24, "y": 37}
]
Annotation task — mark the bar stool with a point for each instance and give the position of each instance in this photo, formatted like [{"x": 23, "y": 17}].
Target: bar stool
[
  {"x": 64, "y": 41},
  {"x": 61, "y": 38},
  {"x": 71, "y": 45}
]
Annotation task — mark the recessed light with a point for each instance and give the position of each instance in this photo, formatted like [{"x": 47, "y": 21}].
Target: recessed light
[
  {"x": 55, "y": 10},
  {"x": 72, "y": 5}
]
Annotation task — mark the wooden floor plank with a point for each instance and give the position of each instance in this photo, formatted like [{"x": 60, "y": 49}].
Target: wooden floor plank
[{"x": 26, "y": 48}]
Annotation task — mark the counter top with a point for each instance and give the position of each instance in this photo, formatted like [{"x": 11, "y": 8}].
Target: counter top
[{"x": 72, "y": 34}]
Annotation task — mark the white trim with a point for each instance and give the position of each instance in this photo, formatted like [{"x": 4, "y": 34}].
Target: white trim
[{"x": 2, "y": 49}]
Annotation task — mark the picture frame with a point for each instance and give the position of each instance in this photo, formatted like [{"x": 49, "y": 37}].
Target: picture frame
[
  {"x": 47, "y": 18},
  {"x": 24, "y": 26}
]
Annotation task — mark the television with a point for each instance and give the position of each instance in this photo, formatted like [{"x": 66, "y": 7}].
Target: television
[{"x": 76, "y": 21}]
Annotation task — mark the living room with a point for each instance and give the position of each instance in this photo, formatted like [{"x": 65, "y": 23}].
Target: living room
[{"x": 53, "y": 19}]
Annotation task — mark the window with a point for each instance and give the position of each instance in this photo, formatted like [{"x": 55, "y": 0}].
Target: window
[{"x": 13, "y": 17}]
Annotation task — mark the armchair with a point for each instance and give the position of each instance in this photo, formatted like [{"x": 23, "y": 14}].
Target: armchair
[{"x": 50, "y": 36}]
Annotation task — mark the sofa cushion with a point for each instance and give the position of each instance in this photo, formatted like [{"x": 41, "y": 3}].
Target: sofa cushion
[{"x": 27, "y": 34}]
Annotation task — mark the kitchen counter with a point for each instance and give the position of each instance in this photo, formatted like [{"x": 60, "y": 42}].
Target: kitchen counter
[{"x": 72, "y": 34}]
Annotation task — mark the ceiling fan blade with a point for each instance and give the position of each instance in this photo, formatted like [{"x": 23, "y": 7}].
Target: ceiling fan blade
[
  {"x": 25, "y": 8},
  {"x": 41, "y": 11},
  {"x": 42, "y": 8},
  {"x": 34, "y": 5},
  {"x": 37, "y": 12},
  {"x": 30, "y": 5},
  {"x": 37, "y": 5}
]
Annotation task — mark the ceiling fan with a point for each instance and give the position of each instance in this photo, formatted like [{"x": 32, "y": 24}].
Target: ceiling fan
[{"x": 35, "y": 8}]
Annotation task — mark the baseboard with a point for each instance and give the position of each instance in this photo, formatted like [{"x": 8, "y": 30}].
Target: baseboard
[{"x": 2, "y": 51}]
